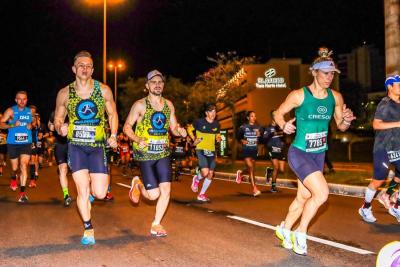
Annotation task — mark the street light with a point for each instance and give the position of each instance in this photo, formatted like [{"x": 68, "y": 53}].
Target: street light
[
  {"x": 94, "y": 2},
  {"x": 116, "y": 66}
]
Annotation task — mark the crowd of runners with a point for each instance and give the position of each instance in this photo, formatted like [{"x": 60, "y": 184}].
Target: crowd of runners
[{"x": 82, "y": 137}]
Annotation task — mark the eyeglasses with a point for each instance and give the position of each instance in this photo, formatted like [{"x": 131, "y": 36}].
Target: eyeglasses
[{"x": 83, "y": 66}]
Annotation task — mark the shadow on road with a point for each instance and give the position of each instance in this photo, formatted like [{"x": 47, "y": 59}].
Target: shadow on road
[{"x": 26, "y": 252}]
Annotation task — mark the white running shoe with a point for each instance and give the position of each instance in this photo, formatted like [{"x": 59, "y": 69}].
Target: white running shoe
[
  {"x": 299, "y": 243},
  {"x": 284, "y": 235},
  {"x": 366, "y": 214},
  {"x": 395, "y": 212}
]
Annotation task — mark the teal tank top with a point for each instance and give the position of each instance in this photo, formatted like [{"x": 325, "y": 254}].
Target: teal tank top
[{"x": 312, "y": 122}]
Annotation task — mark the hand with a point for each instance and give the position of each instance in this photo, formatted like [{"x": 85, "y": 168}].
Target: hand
[
  {"x": 142, "y": 143},
  {"x": 218, "y": 138},
  {"x": 347, "y": 114},
  {"x": 29, "y": 126},
  {"x": 112, "y": 141},
  {"x": 197, "y": 141},
  {"x": 257, "y": 132},
  {"x": 182, "y": 132},
  {"x": 244, "y": 142},
  {"x": 17, "y": 123},
  {"x": 63, "y": 129},
  {"x": 288, "y": 127}
]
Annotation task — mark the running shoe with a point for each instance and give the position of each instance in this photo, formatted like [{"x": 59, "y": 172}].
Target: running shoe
[
  {"x": 158, "y": 230},
  {"x": 367, "y": 215},
  {"x": 32, "y": 183},
  {"x": 273, "y": 190},
  {"x": 299, "y": 243},
  {"x": 284, "y": 235},
  {"x": 22, "y": 198},
  {"x": 13, "y": 185},
  {"x": 195, "y": 184},
  {"x": 384, "y": 199},
  {"x": 91, "y": 198},
  {"x": 256, "y": 192},
  {"x": 395, "y": 212},
  {"x": 134, "y": 193},
  {"x": 203, "y": 198},
  {"x": 67, "y": 201},
  {"x": 109, "y": 197},
  {"x": 238, "y": 176},
  {"x": 88, "y": 237}
]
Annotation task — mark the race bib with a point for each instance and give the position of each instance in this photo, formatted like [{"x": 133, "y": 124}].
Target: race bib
[
  {"x": 125, "y": 149},
  {"x": 208, "y": 153},
  {"x": 393, "y": 156},
  {"x": 85, "y": 134},
  {"x": 39, "y": 144},
  {"x": 156, "y": 146},
  {"x": 179, "y": 149},
  {"x": 21, "y": 137},
  {"x": 252, "y": 141},
  {"x": 316, "y": 141},
  {"x": 276, "y": 149}
]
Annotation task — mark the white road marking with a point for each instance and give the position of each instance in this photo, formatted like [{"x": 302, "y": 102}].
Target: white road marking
[
  {"x": 124, "y": 185},
  {"x": 312, "y": 238}
]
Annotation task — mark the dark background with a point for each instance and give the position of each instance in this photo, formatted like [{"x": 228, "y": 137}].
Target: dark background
[{"x": 41, "y": 37}]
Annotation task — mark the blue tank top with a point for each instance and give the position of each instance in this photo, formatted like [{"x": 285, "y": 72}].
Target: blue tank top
[{"x": 20, "y": 135}]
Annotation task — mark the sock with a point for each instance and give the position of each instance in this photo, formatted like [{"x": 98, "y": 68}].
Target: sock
[
  {"x": 65, "y": 191},
  {"x": 32, "y": 171},
  {"x": 22, "y": 188},
  {"x": 392, "y": 185},
  {"x": 369, "y": 195},
  {"x": 14, "y": 175},
  {"x": 206, "y": 184},
  {"x": 109, "y": 188},
  {"x": 273, "y": 185},
  {"x": 88, "y": 225}
]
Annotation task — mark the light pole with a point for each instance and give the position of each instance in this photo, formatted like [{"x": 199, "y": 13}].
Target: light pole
[
  {"x": 94, "y": 2},
  {"x": 116, "y": 66}
]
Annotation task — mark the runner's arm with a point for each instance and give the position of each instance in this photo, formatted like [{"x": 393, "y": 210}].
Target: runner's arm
[
  {"x": 173, "y": 124},
  {"x": 61, "y": 109},
  {"x": 343, "y": 115},
  {"x": 6, "y": 116},
  {"x": 133, "y": 116},
  {"x": 293, "y": 100}
]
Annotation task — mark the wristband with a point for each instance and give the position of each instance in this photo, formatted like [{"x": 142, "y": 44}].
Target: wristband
[{"x": 346, "y": 122}]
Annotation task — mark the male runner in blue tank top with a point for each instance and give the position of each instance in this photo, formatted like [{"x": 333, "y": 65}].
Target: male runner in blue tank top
[
  {"x": 17, "y": 119},
  {"x": 314, "y": 106}
]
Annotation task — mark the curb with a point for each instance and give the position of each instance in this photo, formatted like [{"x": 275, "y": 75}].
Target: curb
[{"x": 336, "y": 189}]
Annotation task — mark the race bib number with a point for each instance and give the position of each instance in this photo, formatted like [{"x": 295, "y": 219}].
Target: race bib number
[
  {"x": 276, "y": 149},
  {"x": 85, "y": 134},
  {"x": 252, "y": 141},
  {"x": 393, "y": 156},
  {"x": 208, "y": 153},
  {"x": 156, "y": 146},
  {"x": 125, "y": 149},
  {"x": 179, "y": 149},
  {"x": 316, "y": 141},
  {"x": 39, "y": 144},
  {"x": 21, "y": 137}
]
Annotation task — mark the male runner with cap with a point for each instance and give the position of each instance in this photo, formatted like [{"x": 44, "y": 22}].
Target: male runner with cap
[
  {"x": 207, "y": 133},
  {"x": 153, "y": 116},
  {"x": 17, "y": 119},
  {"x": 386, "y": 123},
  {"x": 85, "y": 101},
  {"x": 314, "y": 107}
]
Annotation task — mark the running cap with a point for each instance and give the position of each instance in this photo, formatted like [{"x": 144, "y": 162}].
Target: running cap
[
  {"x": 391, "y": 80},
  {"x": 153, "y": 74},
  {"x": 327, "y": 65}
]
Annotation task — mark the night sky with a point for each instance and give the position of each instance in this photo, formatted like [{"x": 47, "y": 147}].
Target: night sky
[{"x": 40, "y": 37}]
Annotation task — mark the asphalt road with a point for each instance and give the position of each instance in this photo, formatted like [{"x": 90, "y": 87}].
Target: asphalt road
[{"x": 44, "y": 233}]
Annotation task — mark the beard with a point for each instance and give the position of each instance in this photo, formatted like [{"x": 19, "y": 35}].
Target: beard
[{"x": 156, "y": 92}]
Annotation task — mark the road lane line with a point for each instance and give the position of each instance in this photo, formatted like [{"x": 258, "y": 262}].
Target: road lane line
[
  {"x": 312, "y": 238},
  {"x": 124, "y": 185}
]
